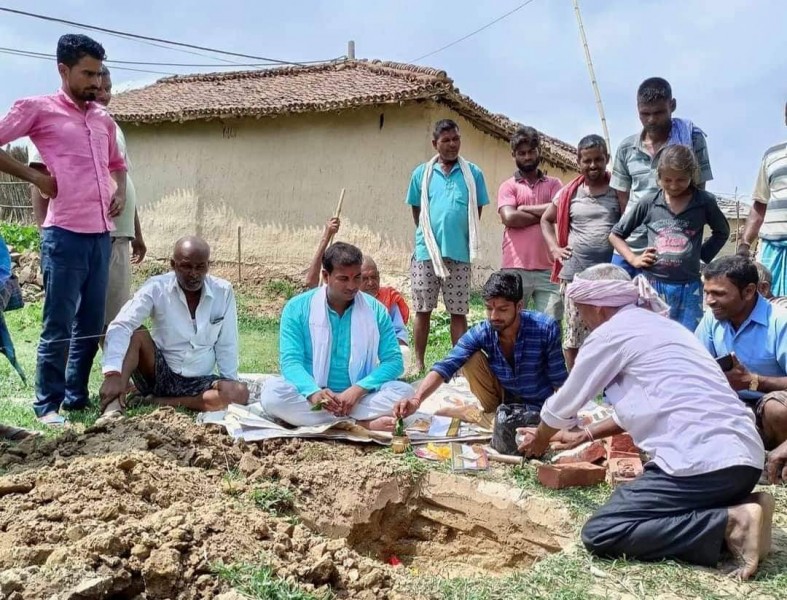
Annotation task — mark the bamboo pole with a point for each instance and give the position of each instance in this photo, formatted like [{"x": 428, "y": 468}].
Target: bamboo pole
[
  {"x": 591, "y": 71},
  {"x": 737, "y": 221}
]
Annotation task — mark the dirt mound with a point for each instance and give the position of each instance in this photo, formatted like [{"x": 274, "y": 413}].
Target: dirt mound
[{"x": 148, "y": 507}]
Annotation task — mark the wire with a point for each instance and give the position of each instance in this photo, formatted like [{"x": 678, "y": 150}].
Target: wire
[
  {"x": 472, "y": 33},
  {"x": 144, "y": 37},
  {"x": 36, "y": 55},
  {"x": 33, "y": 54}
]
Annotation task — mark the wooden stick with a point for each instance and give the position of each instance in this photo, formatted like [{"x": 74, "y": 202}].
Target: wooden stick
[
  {"x": 336, "y": 215},
  {"x": 338, "y": 212},
  {"x": 239, "y": 256}
]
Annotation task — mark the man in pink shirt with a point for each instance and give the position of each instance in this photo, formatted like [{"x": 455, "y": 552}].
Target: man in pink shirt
[
  {"x": 521, "y": 201},
  {"x": 86, "y": 183}
]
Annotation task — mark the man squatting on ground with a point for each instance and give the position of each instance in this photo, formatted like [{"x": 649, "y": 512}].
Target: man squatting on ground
[
  {"x": 694, "y": 498},
  {"x": 194, "y": 331},
  {"x": 512, "y": 361}
]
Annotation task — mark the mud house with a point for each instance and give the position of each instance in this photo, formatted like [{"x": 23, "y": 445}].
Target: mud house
[{"x": 270, "y": 150}]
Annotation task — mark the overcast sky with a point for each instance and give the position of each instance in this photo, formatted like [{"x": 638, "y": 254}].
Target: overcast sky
[{"x": 726, "y": 59}]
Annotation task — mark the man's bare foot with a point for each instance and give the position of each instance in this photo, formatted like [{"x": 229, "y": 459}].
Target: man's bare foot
[
  {"x": 420, "y": 367},
  {"x": 379, "y": 424},
  {"x": 112, "y": 412},
  {"x": 768, "y": 505},
  {"x": 744, "y": 523}
]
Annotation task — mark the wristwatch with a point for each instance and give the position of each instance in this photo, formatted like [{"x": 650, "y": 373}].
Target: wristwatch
[{"x": 754, "y": 384}]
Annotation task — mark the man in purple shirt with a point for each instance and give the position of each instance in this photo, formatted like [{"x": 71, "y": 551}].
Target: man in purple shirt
[{"x": 86, "y": 183}]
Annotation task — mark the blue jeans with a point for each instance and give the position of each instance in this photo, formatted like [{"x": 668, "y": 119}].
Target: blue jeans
[
  {"x": 684, "y": 299},
  {"x": 76, "y": 271},
  {"x": 621, "y": 262}
]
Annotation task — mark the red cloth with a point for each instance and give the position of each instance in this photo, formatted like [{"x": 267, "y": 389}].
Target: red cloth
[
  {"x": 564, "y": 218},
  {"x": 388, "y": 296}
]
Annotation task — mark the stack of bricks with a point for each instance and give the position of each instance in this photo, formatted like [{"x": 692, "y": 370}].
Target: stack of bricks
[{"x": 616, "y": 460}]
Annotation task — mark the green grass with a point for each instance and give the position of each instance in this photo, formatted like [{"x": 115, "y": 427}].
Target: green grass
[
  {"x": 582, "y": 501},
  {"x": 260, "y": 583},
  {"x": 564, "y": 576},
  {"x": 274, "y": 499},
  {"x": 21, "y": 237},
  {"x": 259, "y": 349}
]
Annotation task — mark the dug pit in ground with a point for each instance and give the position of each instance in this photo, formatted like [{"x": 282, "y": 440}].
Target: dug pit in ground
[
  {"x": 454, "y": 526},
  {"x": 147, "y": 507}
]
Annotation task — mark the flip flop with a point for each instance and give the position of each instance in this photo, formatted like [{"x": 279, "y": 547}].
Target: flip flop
[{"x": 53, "y": 419}]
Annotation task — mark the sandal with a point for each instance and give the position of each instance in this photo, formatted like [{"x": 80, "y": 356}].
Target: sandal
[{"x": 53, "y": 419}]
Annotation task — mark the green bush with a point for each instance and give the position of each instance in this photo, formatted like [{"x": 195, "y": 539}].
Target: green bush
[{"x": 21, "y": 237}]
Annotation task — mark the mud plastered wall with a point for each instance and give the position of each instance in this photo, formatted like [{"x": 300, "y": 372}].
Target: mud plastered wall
[{"x": 280, "y": 179}]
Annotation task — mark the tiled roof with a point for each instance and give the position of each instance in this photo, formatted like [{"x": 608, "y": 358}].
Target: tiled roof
[{"x": 324, "y": 87}]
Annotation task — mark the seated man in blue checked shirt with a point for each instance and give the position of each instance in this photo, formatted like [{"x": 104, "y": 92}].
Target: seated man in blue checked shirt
[{"x": 512, "y": 361}]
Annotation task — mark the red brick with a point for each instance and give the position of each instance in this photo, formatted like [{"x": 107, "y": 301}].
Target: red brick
[
  {"x": 622, "y": 443},
  {"x": 589, "y": 452},
  {"x": 616, "y": 454},
  {"x": 562, "y": 476},
  {"x": 623, "y": 470}
]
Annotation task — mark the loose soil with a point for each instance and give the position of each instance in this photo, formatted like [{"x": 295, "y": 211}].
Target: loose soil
[{"x": 146, "y": 508}]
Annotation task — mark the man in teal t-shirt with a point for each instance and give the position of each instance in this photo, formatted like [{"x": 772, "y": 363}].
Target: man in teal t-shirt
[
  {"x": 338, "y": 353},
  {"x": 448, "y": 196}
]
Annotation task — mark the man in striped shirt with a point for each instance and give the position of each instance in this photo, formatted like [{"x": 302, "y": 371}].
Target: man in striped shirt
[{"x": 768, "y": 216}]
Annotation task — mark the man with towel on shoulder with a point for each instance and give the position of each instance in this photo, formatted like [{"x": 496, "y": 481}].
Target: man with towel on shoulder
[
  {"x": 695, "y": 496},
  {"x": 446, "y": 194},
  {"x": 338, "y": 353}
]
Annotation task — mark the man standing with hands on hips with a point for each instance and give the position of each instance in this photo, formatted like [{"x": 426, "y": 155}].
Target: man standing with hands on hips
[{"x": 86, "y": 185}]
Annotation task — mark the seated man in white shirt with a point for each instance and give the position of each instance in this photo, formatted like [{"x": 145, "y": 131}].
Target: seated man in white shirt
[
  {"x": 694, "y": 497},
  {"x": 194, "y": 333}
]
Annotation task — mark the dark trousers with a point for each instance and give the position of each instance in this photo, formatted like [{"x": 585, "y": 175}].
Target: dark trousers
[
  {"x": 76, "y": 269},
  {"x": 659, "y": 516}
]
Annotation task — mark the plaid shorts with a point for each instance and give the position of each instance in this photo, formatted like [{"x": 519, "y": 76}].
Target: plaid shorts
[
  {"x": 11, "y": 295},
  {"x": 426, "y": 286},
  {"x": 168, "y": 384},
  {"x": 759, "y": 405},
  {"x": 575, "y": 331}
]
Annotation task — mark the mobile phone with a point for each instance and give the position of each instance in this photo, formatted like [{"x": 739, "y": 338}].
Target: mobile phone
[{"x": 725, "y": 362}]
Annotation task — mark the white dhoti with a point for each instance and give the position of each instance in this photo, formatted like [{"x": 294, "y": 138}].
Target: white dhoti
[{"x": 282, "y": 400}]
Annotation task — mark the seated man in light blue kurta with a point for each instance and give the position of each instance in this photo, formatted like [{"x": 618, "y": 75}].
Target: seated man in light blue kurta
[{"x": 339, "y": 355}]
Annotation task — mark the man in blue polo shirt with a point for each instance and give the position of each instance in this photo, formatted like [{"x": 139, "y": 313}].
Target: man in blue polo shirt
[
  {"x": 453, "y": 192},
  {"x": 751, "y": 334},
  {"x": 513, "y": 361}
]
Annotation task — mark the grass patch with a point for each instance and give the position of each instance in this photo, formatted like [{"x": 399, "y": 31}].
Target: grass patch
[
  {"x": 281, "y": 288},
  {"x": 582, "y": 501},
  {"x": 274, "y": 499},
  {"x": 260, "y": 583},
  {"x": 558, "y": 577},
  {"x": 21, "y": 237}
]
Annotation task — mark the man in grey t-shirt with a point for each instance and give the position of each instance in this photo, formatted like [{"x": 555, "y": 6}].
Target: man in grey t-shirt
[
  {"x": 576, "y": 227},
  {"x": 634, "y": 169}
]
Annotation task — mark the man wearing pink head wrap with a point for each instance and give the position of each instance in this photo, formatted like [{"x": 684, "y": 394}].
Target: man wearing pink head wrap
[{"x": 668, "y": 393}]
